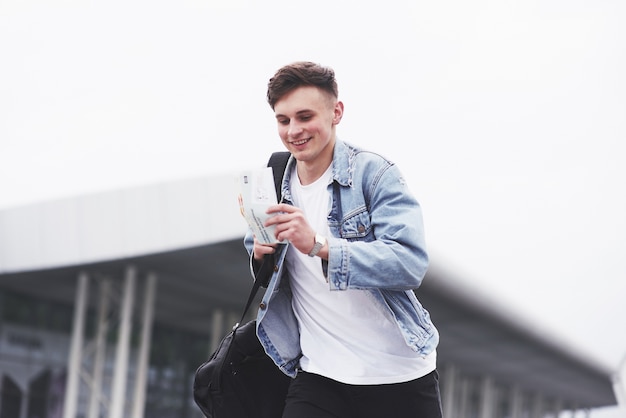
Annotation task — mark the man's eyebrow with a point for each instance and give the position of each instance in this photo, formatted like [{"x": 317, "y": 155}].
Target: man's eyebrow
[{"x": 299, "y": 112}]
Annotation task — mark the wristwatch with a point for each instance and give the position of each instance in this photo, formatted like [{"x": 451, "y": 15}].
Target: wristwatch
[{"x": 319, "y": 243}]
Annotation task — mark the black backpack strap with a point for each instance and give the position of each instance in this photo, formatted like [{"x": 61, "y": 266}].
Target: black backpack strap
[{"x": 278, "y": 162}]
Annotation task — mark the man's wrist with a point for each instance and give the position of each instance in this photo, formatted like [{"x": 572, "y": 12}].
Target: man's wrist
[{"x": 318, "y": 244}]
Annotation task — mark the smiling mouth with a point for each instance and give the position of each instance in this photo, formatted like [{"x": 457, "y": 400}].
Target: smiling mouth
[{"x": 301, "y": 142}]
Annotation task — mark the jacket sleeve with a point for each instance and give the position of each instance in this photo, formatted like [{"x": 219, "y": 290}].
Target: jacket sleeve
[{"x": 388, "y": 249}]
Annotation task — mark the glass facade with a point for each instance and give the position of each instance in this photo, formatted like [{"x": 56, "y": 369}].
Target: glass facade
[
  {"x": 470, "y": 396},
  {"x": 34, "y": 346},
  {"x": 35, "y": 341}
]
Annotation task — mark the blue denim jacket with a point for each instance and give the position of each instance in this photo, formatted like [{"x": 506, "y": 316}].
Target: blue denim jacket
[{"x": 377, "y": 244}]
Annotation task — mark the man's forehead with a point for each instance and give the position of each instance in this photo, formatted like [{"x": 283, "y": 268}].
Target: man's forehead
[{"x": 304, "y": 99}]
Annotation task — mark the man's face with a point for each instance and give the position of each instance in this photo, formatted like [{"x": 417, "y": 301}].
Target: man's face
[{"x": 306, "y": 122}]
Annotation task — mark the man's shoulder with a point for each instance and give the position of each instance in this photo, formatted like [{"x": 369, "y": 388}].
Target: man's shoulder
[
  {"x": 357, "y": 166},
  {"x": 355, "y": 152}
]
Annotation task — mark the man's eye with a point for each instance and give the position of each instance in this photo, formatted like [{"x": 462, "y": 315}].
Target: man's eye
[
  {"x": 283, "y": 121},
  {"x": 305, "y": 117}
]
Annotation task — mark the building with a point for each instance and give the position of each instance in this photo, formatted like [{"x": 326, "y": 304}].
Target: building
[{"x": 109, "y": 302}]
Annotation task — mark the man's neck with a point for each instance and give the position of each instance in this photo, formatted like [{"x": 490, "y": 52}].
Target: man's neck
[{"x": 310, "y": 171}]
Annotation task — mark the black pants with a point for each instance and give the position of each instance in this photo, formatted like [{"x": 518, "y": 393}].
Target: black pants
[{"x": 314, "y": 396}]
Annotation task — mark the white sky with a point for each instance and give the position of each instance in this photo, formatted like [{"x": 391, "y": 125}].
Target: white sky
[{"x": 508, "y": 119}]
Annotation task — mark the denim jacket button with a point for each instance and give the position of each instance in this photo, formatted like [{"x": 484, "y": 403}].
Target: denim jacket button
[
  {"x": 262, "y": 305},
  {"x": 275, "y": 268},
  {"x": 361, "y": 229}
]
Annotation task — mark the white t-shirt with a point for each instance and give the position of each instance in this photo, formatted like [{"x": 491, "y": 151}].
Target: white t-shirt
[{"x": 345, "y": 335}]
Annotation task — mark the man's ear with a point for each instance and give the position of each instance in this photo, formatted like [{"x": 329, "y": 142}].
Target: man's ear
[{"x": 338, "y": 112}]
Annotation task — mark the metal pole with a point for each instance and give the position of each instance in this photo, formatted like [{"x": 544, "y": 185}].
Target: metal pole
[
  {"x": 558, "y": 407},
  {"x": 487, "y": 398},
  {"x": 74, "y": 362},
  {"x": 464, "y": 401},
  {"x": 99, "y": 356},
  {"x": 516, "y": 397},
  {"x": 537, "y": 406},
  {"x": 139, "y": 400},
  {"x": 448, "y": 389},
  {"x": 217, "y": 329},
  {"x": 120, "y": 373},
  {"x": 24, "y": 404}
]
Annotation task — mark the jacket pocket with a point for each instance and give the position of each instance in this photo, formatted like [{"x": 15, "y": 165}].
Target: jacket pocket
[{"x": 357, "y": 226}]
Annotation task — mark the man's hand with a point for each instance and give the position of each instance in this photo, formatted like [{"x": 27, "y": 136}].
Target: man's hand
[
  {"x": 259, "y": 249},
  {"x": 291, "y": 225}
]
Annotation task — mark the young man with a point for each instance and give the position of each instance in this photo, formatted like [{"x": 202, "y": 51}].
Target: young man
[{"x": 339, "y": 313}]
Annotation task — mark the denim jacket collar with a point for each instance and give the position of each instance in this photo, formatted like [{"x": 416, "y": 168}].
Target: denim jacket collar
[{"x": 343, "y": 167}]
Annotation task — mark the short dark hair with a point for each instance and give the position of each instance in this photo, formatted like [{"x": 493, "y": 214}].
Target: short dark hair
[{"x": 298, "y": 74}]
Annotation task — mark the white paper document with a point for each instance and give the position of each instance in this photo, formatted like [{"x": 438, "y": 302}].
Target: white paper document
[{"x": 256, "y": 194}]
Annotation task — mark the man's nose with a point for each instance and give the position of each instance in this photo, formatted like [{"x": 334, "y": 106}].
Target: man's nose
[{"x": 294, "y": 129}]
